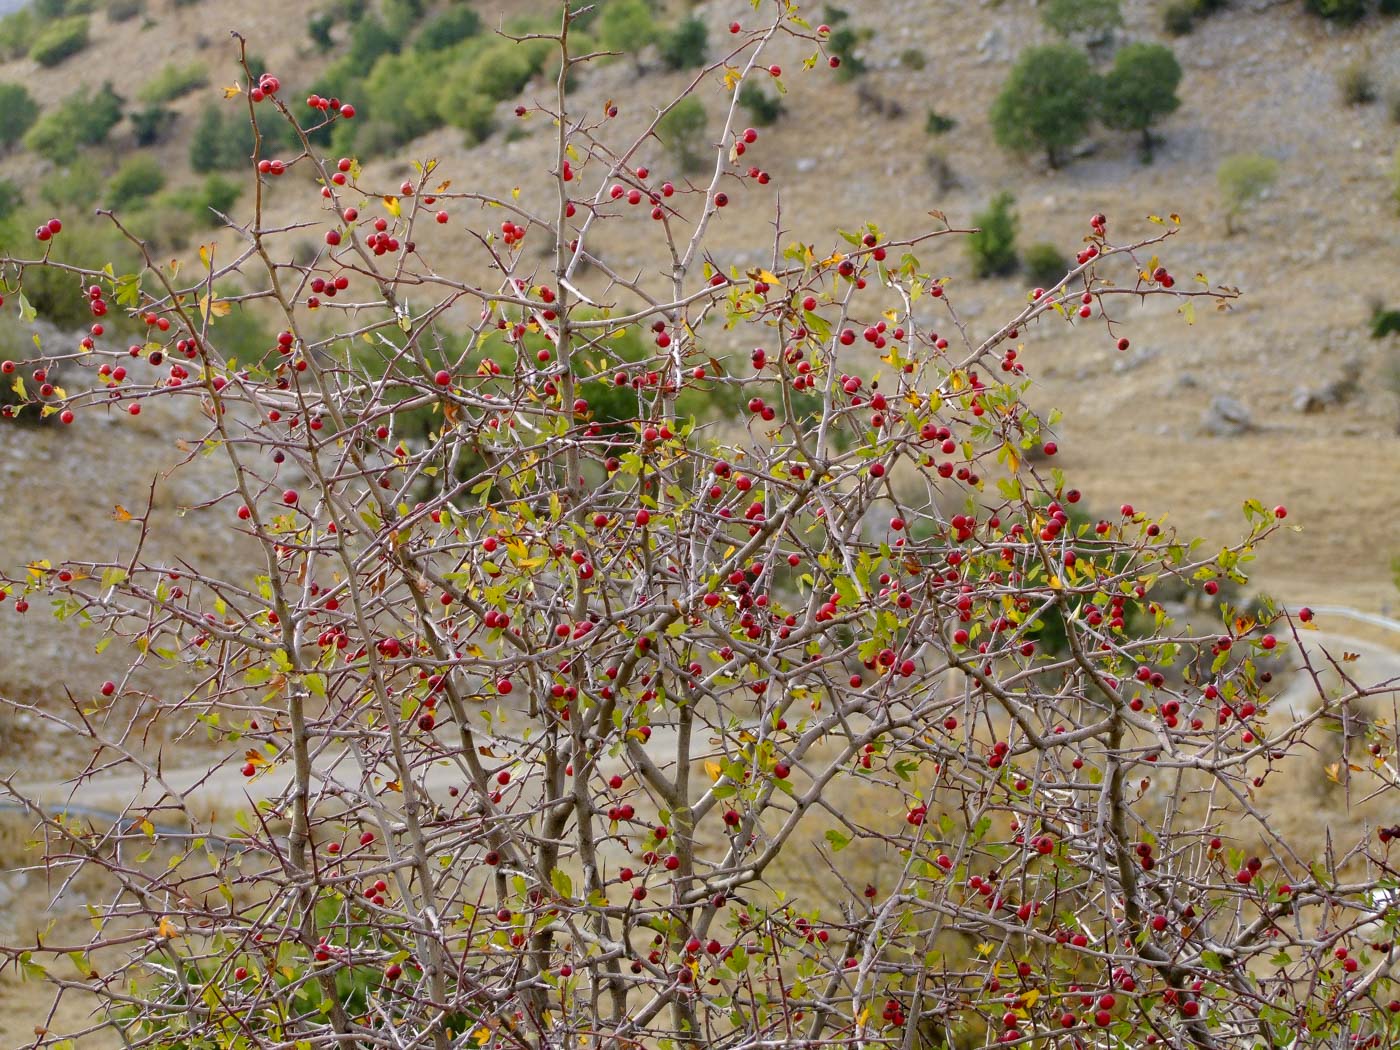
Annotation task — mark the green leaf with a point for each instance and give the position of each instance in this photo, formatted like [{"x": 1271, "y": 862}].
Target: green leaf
[
  {"x": 838, "y": 841},
  {"x": 563, "y": 885}
]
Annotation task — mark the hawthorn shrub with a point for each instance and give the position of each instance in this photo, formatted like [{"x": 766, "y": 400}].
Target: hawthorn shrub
[{"x": 597, "y": 740}]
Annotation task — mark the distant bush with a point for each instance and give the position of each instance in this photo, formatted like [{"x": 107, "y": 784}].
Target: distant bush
[
  {"x": 626, "y": 26},
  {"x": 448, "y": 28},
  {"x": 1094, "y": 20},
  {"x": 200, "y": 203},
  {"x": 11, "y": 197},
  {"x": 842, "y": 44},
  {"x": 1357, "y": 85},
  {"x": 368, "y": 41},
  {"x": 684, "y": 47},
  {"x": 224, "y": 141},
  {"x": 1243, "y": 179},
  {"x": 937, "y": 123},
  {"x": 124, "y": 10},
  {"x": 151, "y": 124},
  {"x": 400, "y": 98},
  {"x": 17, "y": 33},
  {"x": 140, "y": 177},
  {"x": 502, "y": 70},
  {"x": 682, "y": 131},
  {"x": 763, "y": 108},
  {"x": 18, "y": 111},
  {"x": 993, "y": 247},
  {"x": 1179, "y": 17},
  {"x": 61, "y": 40},
  {"x": 913, "y": 58},
  {"x": 318, "y": 28},
  {"x": 72, "y": 189},
  {"x": 82, "y": 119},
  {"x": 1346, "y": 12},
  {"x": 173, "y": 82},
  {"x": 400, "y": 16},
  {"x": 1045, "y": 264},
  {"x": 1384, "y": 322}
]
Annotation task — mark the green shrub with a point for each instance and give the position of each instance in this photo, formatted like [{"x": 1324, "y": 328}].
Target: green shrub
[
  {"x": 223, "y": 141},
  {"x": 685, "y": 46},
  {"x": 18, "y": 111},
  {"x": 149, "y": 125},
  {"x": 1346, "y": 12},
  {"x": 173, "y": 82},
  {"x": 682, "y": 131},
  {"x": 140, "y": 177},
  {"x": 913, "y": 58},
  {"x": 1045, "y": 264},
  {"x": 216, "y": 194},
  {"x": 1094, "y": 20},
  {"x": 502, "y": 71},
  {"x": 124, "y": 10},
  {"x": 1357, "y": 85},
  {"x": 61, "y": 40},
  {"x": 448, "y": 28},
  {"x": 1384, "y": 322},
  {"x": 1046, "y": 102},
  {"x": 400, "y": 16},
  {"x": 1243, "y": 179},
  {"x": 842, "y": 44},
  {"x": 319, "y": 27},
  {"x": 368, "y": 40},
  {"x": 11, "y": 197},
  {"x": 625, "y": 26},
  {"x": 1389, "y": 7},
  {"x": 763, "y": 108},
  {"x": 1179, "y": 17},
  {"x": 17, "y": 33},
  {"x": 82, "y": 119},
  {"x": 993, "y": 247},
  {"x": 400, "y": 99},
  {"x": 72, "y": 189},
  {"x": 937, "y": 124}
]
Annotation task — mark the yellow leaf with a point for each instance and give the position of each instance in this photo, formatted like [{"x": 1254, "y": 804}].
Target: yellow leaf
[
  {"x": 391, "y": 205},
  {"x": 38, "y": 568},
  {"x": 120, "y": 513},
  {"x": 731, "y": 78},
  {"x": 148, "y": 829},
  {"x": 1175, "y": 218},
  {"x": 168, "y": 928},
  {"x": 1030, "y": 999},
  {"x": 1013, "y": 462},
  {"x": 713, "y": 770},
  {"x": 206, "y": 254},
  {"x": 482, "y": 1036},
  {"x": 986, "y": 948},
  {"x": 515, "y": 193},
  {"x": 212, "y": 306},
  {"x": 1056, "y": 584},
  {"x": 864, "y": 1016},
  {"x": 767, "y": 276},
  {"x": 232, "y": 90},
  {"x": 1157, "y": 219}
]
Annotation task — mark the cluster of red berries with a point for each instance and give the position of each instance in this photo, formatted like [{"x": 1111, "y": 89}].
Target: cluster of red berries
[
  {"x": 267, "y": 86},
  {"x": 48, "y": 230},
  {"x": 331, "y": 106}
]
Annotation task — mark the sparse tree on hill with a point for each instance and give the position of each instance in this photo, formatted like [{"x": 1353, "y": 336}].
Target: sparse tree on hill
[
  {"x": 1046, "y": 103},
  {"x": 1140, "y": 90}
]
